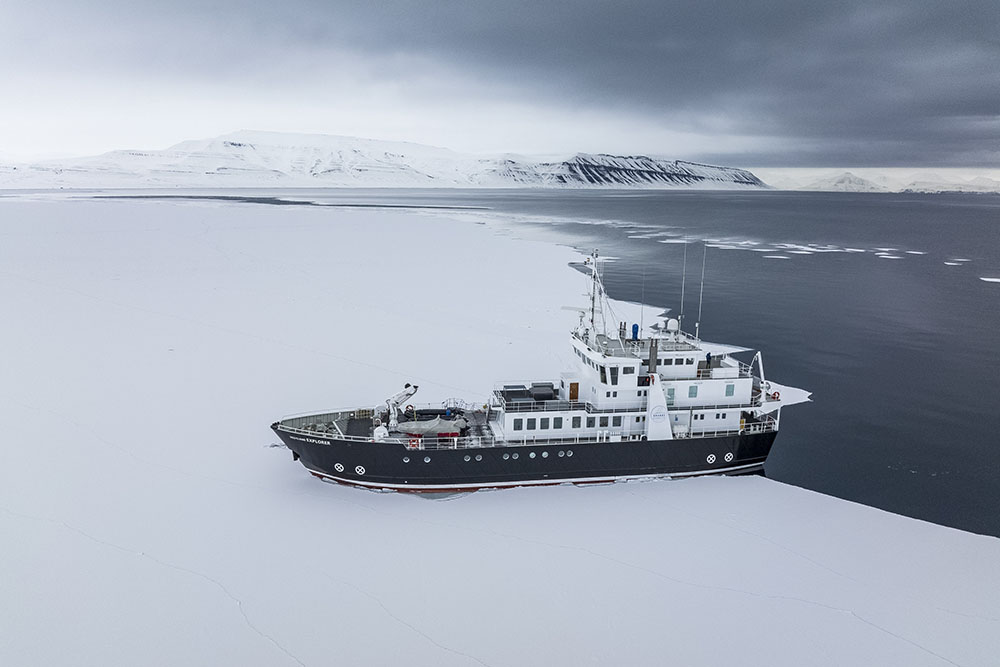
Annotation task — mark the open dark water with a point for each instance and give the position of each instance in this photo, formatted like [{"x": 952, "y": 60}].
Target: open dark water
[{"x": 902, "y": 355}]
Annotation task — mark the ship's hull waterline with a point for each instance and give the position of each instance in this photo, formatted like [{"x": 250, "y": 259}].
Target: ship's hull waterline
[{"x": 394, "y": 466}]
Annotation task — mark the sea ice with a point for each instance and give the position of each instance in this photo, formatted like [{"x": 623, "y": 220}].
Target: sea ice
[{"x": 147, "y": 520}]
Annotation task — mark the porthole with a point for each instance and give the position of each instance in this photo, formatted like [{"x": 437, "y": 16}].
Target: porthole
[
  {"x": 427, "y": 459},
  {"x": 514, "y": 456},
  {"x": 506, "y": 456},
  {"x": 531, "y": 455},
  {"x": 729, "y": 457},
  {"x": 360, "y": 470},
  {"x": 711, "y": 459},
  {"x": 479, "y": 457},
  {"x": 569, "y": 452},
  {"x": 467, "y": 458},
  {"x": 339, "y": 467},
  {"x": 406, "y": 459},
  {"x": 562, "y": 453},
  {"x": 545, "y": 455}
]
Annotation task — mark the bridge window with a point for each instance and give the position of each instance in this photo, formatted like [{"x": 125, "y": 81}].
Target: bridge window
[
  {"x": 628, "y": 370},
  {"x": 614, "y": 375},
  {"x": 604, "y": 375},
  {"x": 518, "y": 424}
]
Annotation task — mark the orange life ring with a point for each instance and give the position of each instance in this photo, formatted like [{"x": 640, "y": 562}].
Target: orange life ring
[
  {"x": 775, "y": 396},
  {"x": 413, "y": 443}
]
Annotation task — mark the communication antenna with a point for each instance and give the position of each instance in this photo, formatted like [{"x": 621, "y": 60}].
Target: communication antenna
[
  {"x": 697, "y": 324},
  {"x": 680, "y": 316}
]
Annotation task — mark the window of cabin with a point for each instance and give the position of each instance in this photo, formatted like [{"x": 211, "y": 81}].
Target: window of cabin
[
  {"x": 730, "y": 389},
  {"x": 544, "y": 423},
  {"x": 576, "y": 422},
  {"x": 557, "y": 422},
  {"x": 591, "y": 422},
  {"x": 616, "y": 421},
  {"x": 604, "y": 375},
  {"x": 669, "y": 361},
  {"x": 628, "y": 370},
  {"x": 531, "y": 424},
  {"x": 692, "y": 393},
  {"x": 614, "y": 375},
  {"x": 518, "y": 424},
  {"x": 689, "y": 361},
  {"x": 604, "y": 422}
]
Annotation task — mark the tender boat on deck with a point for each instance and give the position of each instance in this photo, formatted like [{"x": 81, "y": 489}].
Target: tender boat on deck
[{"x": 664, "y": 405}]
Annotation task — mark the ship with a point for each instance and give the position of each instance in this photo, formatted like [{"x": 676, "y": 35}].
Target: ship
[{"x": 638, "y": 404}]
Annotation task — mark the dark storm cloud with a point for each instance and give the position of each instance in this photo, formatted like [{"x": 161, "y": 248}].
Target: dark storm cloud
[{"x": 860, "y": 83}]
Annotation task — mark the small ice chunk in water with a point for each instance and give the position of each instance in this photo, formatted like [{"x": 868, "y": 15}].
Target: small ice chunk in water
[
  {"x": 915, "y": 252},
  {"x": 800, "y": 252},
  {"x": 989, "y": 280},
  {"x": 855, "y": 250},
  {"x": 775, "y": 257},
  {"x": 884, "y": 256},
  {"x": 953, "y": 264}
]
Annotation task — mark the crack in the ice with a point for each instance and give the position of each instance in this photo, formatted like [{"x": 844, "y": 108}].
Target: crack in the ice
[
  {"x": 829, "y": 569},
  {"x": 179, "y": 568},
  {"x": 655, "y": 573},
  {"x": 403, "y": 621},
  {"x": 730, "y": 589}
]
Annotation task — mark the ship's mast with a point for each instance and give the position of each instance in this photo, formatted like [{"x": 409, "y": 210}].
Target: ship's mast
[{"x": 593, "y": 291}]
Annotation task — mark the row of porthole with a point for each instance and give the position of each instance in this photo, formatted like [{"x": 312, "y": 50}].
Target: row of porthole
[
  {"x": 506, "y": 456},
  {"x": 339, "y": 467}
]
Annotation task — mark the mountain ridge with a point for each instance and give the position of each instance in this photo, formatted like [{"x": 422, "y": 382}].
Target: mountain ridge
[{"x": 249, "y": 158}]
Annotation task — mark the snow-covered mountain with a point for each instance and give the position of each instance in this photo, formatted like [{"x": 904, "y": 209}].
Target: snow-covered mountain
[
  {"x": 248, "y": 159},
  {"x": 887, "y": 179},
  {"x": 846, "y": 182}
]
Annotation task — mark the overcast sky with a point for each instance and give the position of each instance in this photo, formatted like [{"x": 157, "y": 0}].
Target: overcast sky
[{"x": 877, "y": 83}]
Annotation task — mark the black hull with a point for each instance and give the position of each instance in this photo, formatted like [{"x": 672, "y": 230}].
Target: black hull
[{"x": 394, "y": 466}]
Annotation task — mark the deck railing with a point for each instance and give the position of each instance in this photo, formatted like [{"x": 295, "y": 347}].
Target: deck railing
[{"x": 763, "y": 425}]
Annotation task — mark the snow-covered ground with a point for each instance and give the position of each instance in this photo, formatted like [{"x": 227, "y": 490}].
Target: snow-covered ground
[{"x": 145, "y": 519}]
